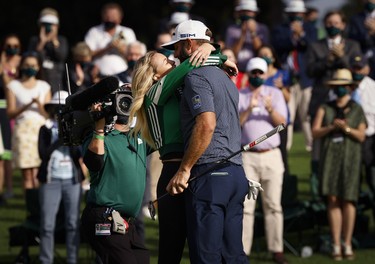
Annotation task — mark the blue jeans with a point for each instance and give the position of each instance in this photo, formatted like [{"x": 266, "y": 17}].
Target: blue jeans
[
  {"x": 50, "y": 196},
  {"x": 214, "y": 209}
]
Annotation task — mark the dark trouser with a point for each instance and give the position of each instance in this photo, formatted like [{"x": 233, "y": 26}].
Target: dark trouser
[
  {"x": 172, "y": 220},
  {"x": 368, "y": 157},
  {"x": 114, "y": 248},
  {"x": 214, "y": 208}
]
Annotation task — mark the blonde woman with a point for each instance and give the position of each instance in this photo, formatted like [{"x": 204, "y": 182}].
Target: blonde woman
[{"x": 156, "y": 90}]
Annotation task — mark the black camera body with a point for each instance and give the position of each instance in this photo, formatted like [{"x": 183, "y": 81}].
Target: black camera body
[{"x": 75, "y": 125}]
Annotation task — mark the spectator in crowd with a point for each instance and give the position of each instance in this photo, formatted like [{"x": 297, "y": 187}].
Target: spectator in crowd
[
  {"x": 2, "y": 199},
  {"x": 281, "y": 79},
  {"x": 261, "y": 108},
  {"x": 181, "y": 9},
  {"x": 211, "y": 131},
  {"x": 108, "y": 41},
  {"x": 9, "y": 70},
  {"x": 176, "y": 18},
  {"x": 312, "y": 17},
  {"x": 26, "y": 97},
  {"x": 362, "y": 29},
  {"x": 10, "y": 57},
  {"x": 162, "y": 38},
  {"x": 156, "y": 90},
  {"x": 247, "y": 35},
  {"x": 82, "y": 72},
  {"x": 323, "y": 58},
  {"x": 365, "y": 96},
  {"x": 52, "y": 48},
  {"x": 135, "y": 50},
  {"x": 290, "y": 41},
  {"x": 341, "y": 125},
  {"x": 240, "y": 79},
  {"x": 117, "y": 165},
  {"x": 60, "y": 175}
]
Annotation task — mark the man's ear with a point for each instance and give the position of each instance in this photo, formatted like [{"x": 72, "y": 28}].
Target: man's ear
[{"x": 189, "y": 45}]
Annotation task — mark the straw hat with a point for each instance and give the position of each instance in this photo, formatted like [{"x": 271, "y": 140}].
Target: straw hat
[{"x": 341, "y": 77}]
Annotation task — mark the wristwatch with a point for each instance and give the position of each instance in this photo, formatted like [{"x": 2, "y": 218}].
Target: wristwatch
[{"x": 348, "y": 130}]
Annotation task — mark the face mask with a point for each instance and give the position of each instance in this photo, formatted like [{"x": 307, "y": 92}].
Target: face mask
[
  {"x": 29, "y": 72},
  {"x": 245, "y": 18},
  {"x": 340, "y": 91},
  {"x": 131, "y": 64},
  {"x": 268, "y": 60},
  {"x": 11, "y": 51},
  {"x": 182, "y": 8},
  {"x": 370, "y": 7},
  {"x": 333, "y": 31},
  {"x": 293, "y": 18},
  {"x": 358, "y": 77},
  {"x": 314, "y": 22},
  {"x": 109, "y": 25},
  {"x": 84, "y": 64},
  {"x": 165, "y": 52},
  {"x": 256, "y": 81}
]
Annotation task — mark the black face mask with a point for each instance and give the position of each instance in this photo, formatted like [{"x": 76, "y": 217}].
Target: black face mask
[
  {"x": 245, "y": 18},
  {"x": 9, "y": 51},
  {"x": 29, "y": 72},
  {"x": 166, "y": 52},
  {"x": 109, "y": 25},
  {"x": 370, "y": 7},
  {"x": 182, "y": 8},
  {"x": 333, "y": 31},
  {"x": 84, "y": 64},
  {"x": 293, "y": 18},
  {"x": 131, "y": 64}
]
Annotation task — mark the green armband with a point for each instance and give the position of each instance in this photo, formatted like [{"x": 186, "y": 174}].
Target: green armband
[{"x": 100, "y": 137}]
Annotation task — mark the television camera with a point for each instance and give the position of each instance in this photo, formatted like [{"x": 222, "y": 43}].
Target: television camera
[{"x": 75, "y": 121}]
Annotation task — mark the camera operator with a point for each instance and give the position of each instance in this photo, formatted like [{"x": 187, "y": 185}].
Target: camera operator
[{"x": 116, "y": 161}]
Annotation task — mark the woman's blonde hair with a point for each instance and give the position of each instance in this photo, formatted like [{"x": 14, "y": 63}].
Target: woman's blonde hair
[{"x": 142, "y": 81}]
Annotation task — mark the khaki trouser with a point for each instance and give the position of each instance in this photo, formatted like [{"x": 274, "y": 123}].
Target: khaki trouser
[
  {"x": 299, "y": 102},
  {"x": 266, "y": 168}
]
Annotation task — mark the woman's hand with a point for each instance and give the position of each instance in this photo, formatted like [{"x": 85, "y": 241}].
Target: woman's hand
[
  {"x": 231, "y": 68},
  {"x": 200, "y": 55}
]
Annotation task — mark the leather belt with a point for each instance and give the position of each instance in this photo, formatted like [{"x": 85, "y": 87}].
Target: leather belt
[
  {"x": 260, "y": 150},
  {"x": 171, "y": 160}
]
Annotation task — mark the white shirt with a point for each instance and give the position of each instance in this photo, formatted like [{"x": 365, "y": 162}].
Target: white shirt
[
  {"x": 97, "y": 38},
  {"x": 25, "y": 95},
  {"x": 334, "y": 41},
  {"x": 366, "y": 92}
]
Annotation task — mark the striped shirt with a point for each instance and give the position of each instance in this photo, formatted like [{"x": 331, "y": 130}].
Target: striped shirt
[{"x": 162, "y": 105}]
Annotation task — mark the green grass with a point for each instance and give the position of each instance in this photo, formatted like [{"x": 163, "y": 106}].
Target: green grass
[{"x": 299, "y": 161}]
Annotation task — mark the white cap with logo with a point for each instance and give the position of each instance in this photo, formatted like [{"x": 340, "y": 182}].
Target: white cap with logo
[{"x": 190, "y": 29}]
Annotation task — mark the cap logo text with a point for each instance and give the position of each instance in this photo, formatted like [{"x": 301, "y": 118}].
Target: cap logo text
[{"x": 187, "y": 35}]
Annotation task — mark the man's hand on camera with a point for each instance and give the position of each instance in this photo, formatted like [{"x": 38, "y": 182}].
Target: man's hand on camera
[{"x": 94, "y": 110}]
